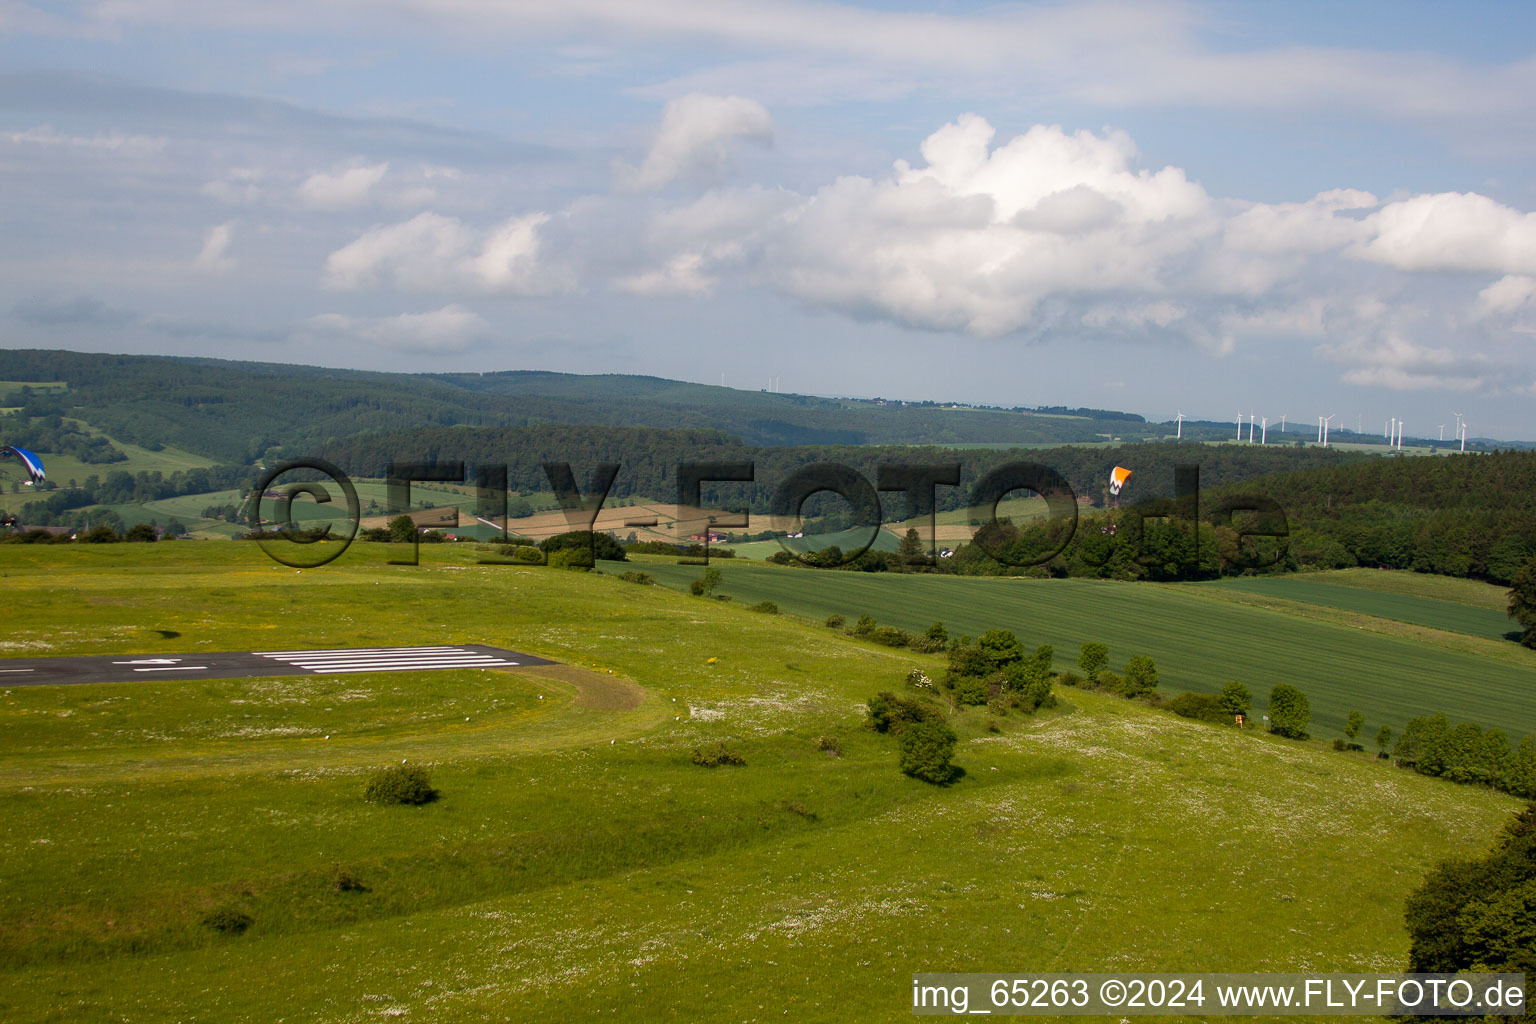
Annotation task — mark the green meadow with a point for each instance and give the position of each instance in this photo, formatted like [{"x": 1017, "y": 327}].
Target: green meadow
[
  {"x": 579, "y": 865},
  {"x": 1350, "y": 655}
]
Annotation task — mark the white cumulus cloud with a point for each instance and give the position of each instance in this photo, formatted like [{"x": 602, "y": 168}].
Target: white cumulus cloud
[
  {"x": 696, "y": 138},
  {"x": 450, "y": 329},
  {"x": 214, "y": 257},
  {"x": 341, "y": 188},
  {"x": 434, "y": 253}
]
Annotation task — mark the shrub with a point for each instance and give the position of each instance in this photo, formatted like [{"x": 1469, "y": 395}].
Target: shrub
[
  {"x": 766, "y": 607},
  {"x": 890, "y": 636},
  {"x": 1035, "y": 695},
  {"x": 593, "y": 545},
  {"x": 645, "y": 579},
  {"x": 141, "y": 533},
  {"x": 1205, "y": 706},
  {"x": 574, "y": 559},
  {"x": 1289, "y": 712},
  {"x": 1235, "y": 699},
  {"x": 1070, "y": 679},
  {"x": 920, "y": 679},
  {"x": 228, "y": 920},
  {"x": 864, "y": 626},
  {"x": 1092, "y": 659},
  {"x": 927, "y": 644},
  {"x": 1107, "y": 680},
  {"x": 829, "y": 745},
  {"x": 1340, "y": 744},
  {"x": 100, "y": 535},
  {"x": 716, "y": 754},
  {"x": 971, "y": 689},
  {"x": 890, "y": 713},
  {"x": 345, "y": 881},
  {"x": 705, "y": 583},
  {"x": 525, "y": 554},
  {"x": 835, "y": 621},
  {"x": 400, "y": 784},
  {"x": 926, "y": 748},
  {"x": 1140, "y": 676}
]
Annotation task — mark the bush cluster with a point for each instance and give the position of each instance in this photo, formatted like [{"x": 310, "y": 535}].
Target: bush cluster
[
  {"x": 399, "y": 784},
  {"x": 645, "y": 579},
  {"x": 716, "y": 754},
  {"x": 890, "y": 713},
  {"x": 227, "y": 920},
  {"x": 1467, "y": 753}
]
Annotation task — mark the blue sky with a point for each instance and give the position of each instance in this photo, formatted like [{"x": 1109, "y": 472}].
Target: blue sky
[{"x": 1295, "y": 209}]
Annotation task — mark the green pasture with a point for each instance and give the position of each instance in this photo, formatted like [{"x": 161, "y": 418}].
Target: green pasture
[
  {"x": 1199, "y": 637},
  {"x": 1419, "y": 611},
  {"x": 578, "y": 865}
]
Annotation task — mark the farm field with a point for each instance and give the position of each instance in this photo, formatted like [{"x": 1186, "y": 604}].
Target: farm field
[
  {"x": 578, "y": 863},
  {"x": 1198, "y": 634},
  {"x": 1457, "y": 617}
]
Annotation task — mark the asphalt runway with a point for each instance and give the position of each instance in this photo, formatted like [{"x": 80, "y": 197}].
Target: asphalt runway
[{"x": 118, "y": 668}]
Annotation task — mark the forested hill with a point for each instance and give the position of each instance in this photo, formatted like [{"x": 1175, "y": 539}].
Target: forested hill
[
  {"x": 235, "y": 412},
  {"x": 649, "y": 459},
  {"x": 1461, "y": 515}
]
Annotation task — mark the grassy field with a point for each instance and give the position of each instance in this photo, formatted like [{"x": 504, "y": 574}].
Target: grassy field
[
  {"x": 1415, "y": 609},
  {"x": 1200, "y": 635},
  {"x": 578, "y": 864}
]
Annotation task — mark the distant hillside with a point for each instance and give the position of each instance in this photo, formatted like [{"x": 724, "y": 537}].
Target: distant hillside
[{"x": 236, "y": 412}]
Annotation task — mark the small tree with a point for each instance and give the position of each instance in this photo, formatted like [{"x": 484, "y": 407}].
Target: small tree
[
  {"x": 1235, "y": 699},
  {"x": 401, "y": 529},
  {"x": 1522, "y": 602},
  {"x": 1353, "y": 726},
  {"x": 706, "y": 583},
  {"x": 1289, "y": 712},
  {"x": 926, "y": 748},
  {"x": 142, "y": 532},
  {"x": 1140, "y": 676},
  {"x": 1092, "y": 659},
  {"x": 1383, "y": 737},
  {"x": 911, "y": 547}
]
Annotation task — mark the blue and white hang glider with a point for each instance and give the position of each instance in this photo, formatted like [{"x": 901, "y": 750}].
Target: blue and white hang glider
[{"x": 32, "y": 464}]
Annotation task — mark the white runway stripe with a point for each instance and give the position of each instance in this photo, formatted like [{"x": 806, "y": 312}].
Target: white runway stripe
[
  {"x": 389, "y": 663},
  {"x": 386, "y": 659},
  {"x": 401, "y": 668},
  {"x": 353, "y": 650},
  {"x": 172, "y": 668}
]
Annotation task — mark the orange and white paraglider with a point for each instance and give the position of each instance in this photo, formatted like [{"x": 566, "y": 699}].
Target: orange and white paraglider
[{"x": 1117, "y": 478}]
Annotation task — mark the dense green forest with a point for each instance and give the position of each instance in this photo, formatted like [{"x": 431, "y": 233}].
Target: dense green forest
[
  {"x": 1459, "y": 515},
  {"x": 649, "y": 458},
  {"x": 242, "y": 412}
]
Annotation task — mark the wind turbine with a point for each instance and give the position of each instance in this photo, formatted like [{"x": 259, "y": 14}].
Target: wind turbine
[
  {"x": 1264, "y": 431},
  {"x": 1442, "y": 431},
  {"x": 1250, "y": 428},
  {"x": 1282, "y": 423},
  {"x": 1463, "y": 435},
  {"x": 1326, "y": 421},
  {"x": 1181, "y": 425},
  {"x": 1239, "y": 426},
  {"x": 1319, "y": 430}
]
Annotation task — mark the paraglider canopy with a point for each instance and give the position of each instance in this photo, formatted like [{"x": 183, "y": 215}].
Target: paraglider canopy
[
  {"x": 32, "y": 464},
  {"x": 1117, "y": 478}
]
